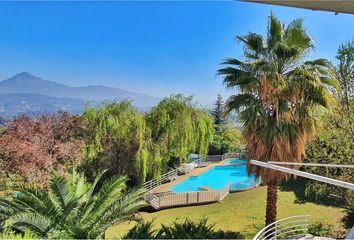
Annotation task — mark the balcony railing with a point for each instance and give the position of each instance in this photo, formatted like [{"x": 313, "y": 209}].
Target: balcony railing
[{"x": 291, "y": 227}]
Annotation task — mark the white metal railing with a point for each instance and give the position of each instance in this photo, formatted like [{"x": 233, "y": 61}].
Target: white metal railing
[
  {"x": 172, "y": 175},
  {"x": 295, "y": 226},
  {"x": 169, "y": 199}
]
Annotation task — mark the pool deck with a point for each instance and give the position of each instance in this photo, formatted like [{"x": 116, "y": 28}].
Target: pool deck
[{"x": 164, "y": 188}]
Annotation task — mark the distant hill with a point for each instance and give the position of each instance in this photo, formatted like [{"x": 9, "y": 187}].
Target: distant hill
[
  {"x": 25, "y": 93},
  {"x": 31, "y": 104}
]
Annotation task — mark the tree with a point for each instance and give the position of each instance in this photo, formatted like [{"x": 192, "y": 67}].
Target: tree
[
  {"x": 72, "y": 208},
  {"x": 218, "y": 113},
  {"x": 345, "y": 74},
  {"x": 228, "y": 140},
  {"x": 178, "y": 128},
  {"x": 117, "y": 141},
  {"x": 333, "y": 144},
  {"x": 231, "y": 140},
  {"x": 280, "y": 97},
  {"x": 33, "y": 147}
]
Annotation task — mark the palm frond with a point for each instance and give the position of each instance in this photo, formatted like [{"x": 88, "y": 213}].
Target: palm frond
[
  {"x": 237, "y": 102},
  {"x": 29, "y": 221},
  {"x": 121, "y": 210},
  {"x": 60, "y": 192},
  {"x": 33, "y": 199},
  {"x": 253, "y": 42},
  {"x": 105, "y": 197},
  {"x": 275, "y": 30}
]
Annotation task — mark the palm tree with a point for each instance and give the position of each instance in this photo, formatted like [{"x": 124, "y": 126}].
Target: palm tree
[
  {"x": 279, "y": 97},
  {"x": 71, "y": 208}
]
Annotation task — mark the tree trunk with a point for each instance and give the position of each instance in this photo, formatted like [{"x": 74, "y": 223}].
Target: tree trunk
[{"x": 272, "y": 195}]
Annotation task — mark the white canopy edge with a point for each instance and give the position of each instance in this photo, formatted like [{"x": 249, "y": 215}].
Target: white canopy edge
[
  {"x": 313, "y": 164},
  {"x": 304, "y": 174},
  {"x": 336, "y": 6}
]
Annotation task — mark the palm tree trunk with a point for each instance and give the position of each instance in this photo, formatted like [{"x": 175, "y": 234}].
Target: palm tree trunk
[{"x": 272, "y": 195}]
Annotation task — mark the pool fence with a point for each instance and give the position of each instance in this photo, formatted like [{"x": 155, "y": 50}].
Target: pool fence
[{"x": 169, "y": 199}]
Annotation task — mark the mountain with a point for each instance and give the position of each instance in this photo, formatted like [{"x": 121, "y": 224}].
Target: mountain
[
  {"x": 28, "y": 94},
  {"x": 27, "y": 83}
]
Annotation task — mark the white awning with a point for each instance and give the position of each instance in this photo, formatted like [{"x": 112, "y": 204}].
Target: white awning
[
  {"x": 337, "y": 6},
  {"x": 304, "y": 174}
]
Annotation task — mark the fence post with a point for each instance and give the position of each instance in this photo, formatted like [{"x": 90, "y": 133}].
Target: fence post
[{"x": 187, "y": 198}]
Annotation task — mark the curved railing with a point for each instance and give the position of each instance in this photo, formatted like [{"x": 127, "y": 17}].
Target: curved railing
[
  {"x": 290, "y": 227},
  {"x": 169, "y": 176},
  {"x": 172, "y": 175}
]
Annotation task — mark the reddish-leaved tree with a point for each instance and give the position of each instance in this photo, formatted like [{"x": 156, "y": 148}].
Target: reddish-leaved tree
[{"x": 34, "y": 147}]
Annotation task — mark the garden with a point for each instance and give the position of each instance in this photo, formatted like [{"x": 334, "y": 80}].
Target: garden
[{"x": 80, "y": 176}]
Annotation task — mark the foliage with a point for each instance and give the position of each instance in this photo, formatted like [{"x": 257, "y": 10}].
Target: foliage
[
  {"x": 228, "y": 140},
  {"x": 231, "y": 140},
  {"x": 116, "y": 141},
  {"x": 345, "y": 74},
  {"x": 72, "y": 207},
  {"x": 280, "y": 97},
  {"x": 349, "y": 217},
  {"x": 142, "y": 230},
  {"x": 333, "y": 144},
  {"x": 127, "y": 142},
  {"x": 178, "y": 128},
  {"x": 218, "y": 113},
  {"x": 320, "y": 229},
  {"x": 33, "y": 147},
  {"x": 180, "y": 230},
  {"x": 27, "y": 235}
]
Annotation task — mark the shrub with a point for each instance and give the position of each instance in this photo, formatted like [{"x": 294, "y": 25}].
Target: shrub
[
  {"x": 28, "y": 235},
  {"x": 142, "y": 230},
  {"x": 187, "y": 229},
  {"x": 320, "y": 229}
]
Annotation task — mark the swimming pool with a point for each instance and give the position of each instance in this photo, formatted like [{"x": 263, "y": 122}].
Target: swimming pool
[{"x": 218, "y": 177}]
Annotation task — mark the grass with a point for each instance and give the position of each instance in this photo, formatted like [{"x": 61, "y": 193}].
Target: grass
[{"x": 243, "y": 212}]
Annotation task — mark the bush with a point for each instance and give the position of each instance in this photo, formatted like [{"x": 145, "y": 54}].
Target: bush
[
  {"x": 28, "y": 235},
  {"x": 320, "y": 229},
  {"x": 180, "y": 230},
  {"x": 142, "y": 230}
]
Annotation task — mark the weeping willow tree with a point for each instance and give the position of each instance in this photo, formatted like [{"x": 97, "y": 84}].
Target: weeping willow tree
[
  {"x": 116, "y": 140},
  {"x": 128, "y": 143},
  {"x": 178, "y": 128}
]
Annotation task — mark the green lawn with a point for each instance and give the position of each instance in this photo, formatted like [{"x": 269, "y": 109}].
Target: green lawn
[{"x": 243, "y": 212}]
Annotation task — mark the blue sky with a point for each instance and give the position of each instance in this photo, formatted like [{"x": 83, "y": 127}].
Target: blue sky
[{"x": 158, "y": 48}]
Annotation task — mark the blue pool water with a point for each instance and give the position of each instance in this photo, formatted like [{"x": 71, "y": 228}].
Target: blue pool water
[{"x": 218, "y": 177}]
